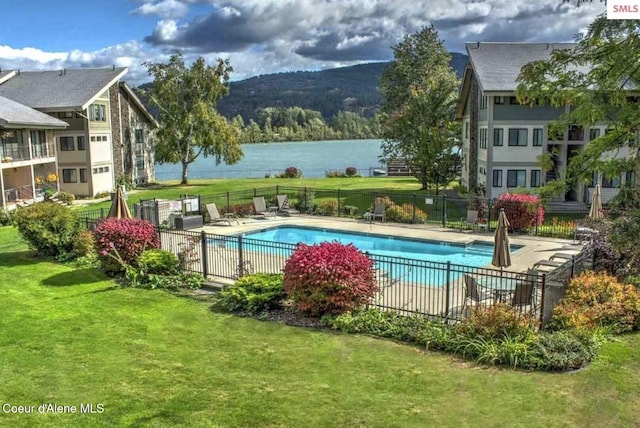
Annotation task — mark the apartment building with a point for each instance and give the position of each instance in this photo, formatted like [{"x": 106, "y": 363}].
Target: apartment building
[
  {"x": 27, "y": 153},
  {"x": 109, "y": 137},
  {"x": 502, "y": 139}
]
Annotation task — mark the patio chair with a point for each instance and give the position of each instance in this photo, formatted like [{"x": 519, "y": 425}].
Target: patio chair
[
  {"x": 284, "y": 207},
  {"x": 215, "y": 216},
  {"x": 473, "y": 291},
  {"x": 472, "y": 220},
  {"x": 552, "y": 264},
  {"x": 379, "y": 211},
  {"x": 523, "y": 295},
  {"x": 260, "y": 207},
  {"x": 562, "y": 256}
]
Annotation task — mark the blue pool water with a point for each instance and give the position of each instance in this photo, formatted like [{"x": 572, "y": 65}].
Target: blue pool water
[{"x": 475, "y": 254}]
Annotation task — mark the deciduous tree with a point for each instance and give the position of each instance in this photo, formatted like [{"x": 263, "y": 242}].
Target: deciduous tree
[
  {"x": 190, "y": 125},
  {"x": 419, "y": 90}
]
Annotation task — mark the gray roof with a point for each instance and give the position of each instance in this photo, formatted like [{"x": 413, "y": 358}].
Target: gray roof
[
  {"x": 497, "y": 65},
  {"x": 13, "y": 115},
  {"x": 68, "y": 89}
]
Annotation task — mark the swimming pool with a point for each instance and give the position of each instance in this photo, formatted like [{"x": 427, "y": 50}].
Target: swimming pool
[{"x": 474, "y": 254}]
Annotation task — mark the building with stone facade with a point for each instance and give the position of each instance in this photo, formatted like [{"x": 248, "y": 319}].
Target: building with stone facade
[{"x": 109, "y": 137}]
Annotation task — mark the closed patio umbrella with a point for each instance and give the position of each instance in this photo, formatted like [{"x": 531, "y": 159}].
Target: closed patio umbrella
[
  {"x": 501, "y": 250},
  {"x": 119, "y": 208},
  {"x": 595, "y": 212}
]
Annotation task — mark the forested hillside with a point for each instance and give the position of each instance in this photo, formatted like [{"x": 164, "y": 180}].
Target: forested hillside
[{"x": 352, "y": 89}]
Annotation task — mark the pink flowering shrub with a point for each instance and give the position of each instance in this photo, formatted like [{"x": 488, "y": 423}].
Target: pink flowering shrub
[
  {"x": 122, "y": 240},
  {"x": 329, "y": 278},
  {"x": 522, "y": 210},
  {"x": 291, "y": 172}
]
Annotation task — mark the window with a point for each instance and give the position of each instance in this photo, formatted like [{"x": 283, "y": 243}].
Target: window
[
  {"x": 513, "y": 101},
  {"x": 594, "y": 133},
  {"x": 97, "y": 112},
  {"x": 498, "y": 100},
  {"x": 140, "y": 135},
  {"x": 81, "y": 146},
  {"x": 65, "y": 114},
  {"x": 69, "y": 176},
  {"x": 38, "y": 137},
  {"x": 66, "y": 144},
  {"x": 497, "y": 178},
  {"x": 93, "y": 138},
  {"x": 630, "y": 179},
  {"x": 95, "y": 170},
  {"x": 516, "y": 178},
  {"x": 537, "y": 136},
  {"x": 140, "y": 162},
  {"x": 611, "y": 183},
  {"x": 535, "y": 178},
  {"x": 83, "y": 175},
  {"x": 498, "y": 136},
  {"x": 576, "y": 133},
  {"x": 483, "y": 102},
  {"x": 483, "y": 138},
  {"x": 466, "y": 129},
  {"x": 517, "y": 137}
]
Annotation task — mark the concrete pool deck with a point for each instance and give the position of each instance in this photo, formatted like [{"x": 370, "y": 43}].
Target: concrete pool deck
[{"x": 533, "y": 248}]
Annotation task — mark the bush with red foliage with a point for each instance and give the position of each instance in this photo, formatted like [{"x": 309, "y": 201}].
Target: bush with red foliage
[
  {"x": 123, "y": 238},
  {"x": 242, "y": 210},
  {"x": 523, "y": 211},
  {"x": 329, "y": 278}
]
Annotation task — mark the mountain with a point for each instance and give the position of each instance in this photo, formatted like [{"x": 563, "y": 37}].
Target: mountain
[{"x": 328, "y": 91}]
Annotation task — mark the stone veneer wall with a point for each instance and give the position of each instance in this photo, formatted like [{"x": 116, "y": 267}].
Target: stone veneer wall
[
  {"x": 116, "y": 131},
  {"x": 473, "y": 134}
]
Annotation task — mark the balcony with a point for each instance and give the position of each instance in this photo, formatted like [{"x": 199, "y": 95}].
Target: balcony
[
  {"x": 43, "y": 150},
  {"x": 14, "y": 152}
]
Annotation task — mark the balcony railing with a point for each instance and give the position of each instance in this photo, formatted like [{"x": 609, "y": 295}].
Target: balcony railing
[
  {"x": 18, "y": 193},
  {"x": 44, "y": 150},
  {"x": 14, "y": 152}
]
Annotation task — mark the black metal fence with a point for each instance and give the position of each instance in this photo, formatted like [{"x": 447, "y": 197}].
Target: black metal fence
[
  {"x": 558, "y": 219},
  {"x": 412, "y": 287}
]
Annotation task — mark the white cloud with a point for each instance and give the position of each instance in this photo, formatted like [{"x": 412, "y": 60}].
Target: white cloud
[
  {"x": 166, "y": 8},
  {"x": 8, "y": 53}
]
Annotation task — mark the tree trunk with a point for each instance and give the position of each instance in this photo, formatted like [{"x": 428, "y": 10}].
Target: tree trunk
[{"x": 185, "y": 170}]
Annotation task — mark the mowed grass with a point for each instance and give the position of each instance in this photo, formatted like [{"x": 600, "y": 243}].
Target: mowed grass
[
  {"x": 70, "y": 336},
  {"x": 173, "y": 189}
]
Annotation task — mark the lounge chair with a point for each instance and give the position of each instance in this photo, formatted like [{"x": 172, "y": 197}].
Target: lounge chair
[
  {"x": 473, "y": 291},
  {"x": 472, "y": 220},
  {"x": 284, "y": 207},
  {"x": 582, "y": 233},
  {"x": 215, "y": 216},
  {"x": 563, "y": 256},
  {"x": 548, "y": 264},
  {"x": 379, "y": 211},
  {"x": 260, "y": 207}
]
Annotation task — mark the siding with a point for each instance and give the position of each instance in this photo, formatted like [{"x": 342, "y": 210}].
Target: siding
[{"x": 519, "y": 112}]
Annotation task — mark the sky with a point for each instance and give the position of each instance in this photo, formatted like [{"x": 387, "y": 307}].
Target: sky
[{"x": 263, "y": 36}]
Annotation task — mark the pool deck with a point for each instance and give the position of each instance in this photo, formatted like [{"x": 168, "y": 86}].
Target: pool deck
[{"x": 533, "y": 248}]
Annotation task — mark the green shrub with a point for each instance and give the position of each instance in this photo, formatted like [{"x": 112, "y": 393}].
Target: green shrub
[
  {"x": 50, "y": 229},
  {"x": 306, "y": 201},
  {"x": 334, "y": 174},
  {"x": 562, "y": 351},
  {"x": 254, "y": 293},
  {"x": 5, "y": 217},
  {"x": 328, "y": 207},
  {"x": 84, "y": 245},
  {"x": 66, "y": 197},
  {"x": 158, "y": 262},
  {"x": 350, "y": 210}
]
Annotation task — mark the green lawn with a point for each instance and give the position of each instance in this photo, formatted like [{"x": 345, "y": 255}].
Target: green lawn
[{"x": 69, "y": 336}]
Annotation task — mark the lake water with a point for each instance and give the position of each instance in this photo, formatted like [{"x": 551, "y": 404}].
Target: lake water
[{"x": 314, "y": 158}]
